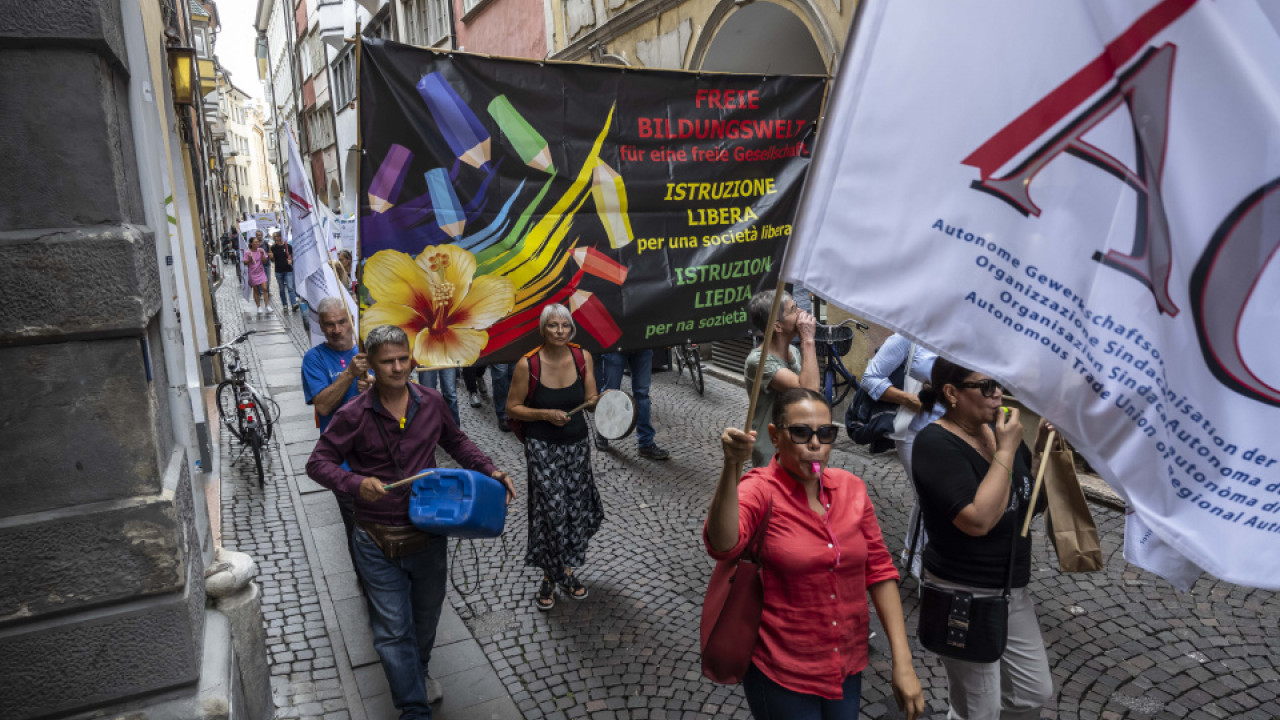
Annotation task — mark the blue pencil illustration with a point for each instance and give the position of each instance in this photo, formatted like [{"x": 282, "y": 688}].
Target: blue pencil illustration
[
  {"x": 449, "y": 214},
  {"x": 467, "y": 138}
]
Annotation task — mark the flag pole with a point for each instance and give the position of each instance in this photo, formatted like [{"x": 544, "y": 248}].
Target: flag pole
[
  {"x": 786, "y": 255},
  {"x": 359, "y": 167},
  {"x": 1035, "y": 491}
]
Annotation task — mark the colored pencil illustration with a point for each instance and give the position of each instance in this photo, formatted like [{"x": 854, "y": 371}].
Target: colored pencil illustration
[
  {"x": 384, "y": 191},
  {"x": 492, "y": 233},
  {"x": 491, "y": 256},
  {"x": 592, "y": 316},
  {"x": 467, "y": 138},
  {"x": 601, "y": 265},
  {"x": 449, "y": 214},
  {"x": 528, "y": 143},
  {"x": 554, "y": 223},
  {"x": 610, "y": 196}
]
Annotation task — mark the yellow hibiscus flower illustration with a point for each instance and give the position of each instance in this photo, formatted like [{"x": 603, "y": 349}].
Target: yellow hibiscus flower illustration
[{"x": 438, "y": 301}]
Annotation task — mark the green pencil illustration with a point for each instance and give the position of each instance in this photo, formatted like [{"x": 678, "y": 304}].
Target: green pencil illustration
[{"x": 528, "y": 143}]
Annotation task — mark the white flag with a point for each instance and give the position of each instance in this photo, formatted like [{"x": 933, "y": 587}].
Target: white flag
[
  {"x": 313, "y": 276},
  {"x": 1081, "y": 199}
]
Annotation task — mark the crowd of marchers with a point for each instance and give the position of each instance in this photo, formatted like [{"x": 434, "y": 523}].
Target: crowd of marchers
[{"x": 811, "y": 526}]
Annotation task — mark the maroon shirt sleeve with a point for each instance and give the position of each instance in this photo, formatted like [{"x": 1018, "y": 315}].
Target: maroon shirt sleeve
[{"x": 325, "y": 464}]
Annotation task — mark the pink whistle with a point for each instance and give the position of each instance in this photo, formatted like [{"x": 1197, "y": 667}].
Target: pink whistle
[{"x": 817, "y": 469}]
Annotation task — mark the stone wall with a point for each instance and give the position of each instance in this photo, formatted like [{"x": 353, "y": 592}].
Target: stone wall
[{"x": 103, "y": 594}]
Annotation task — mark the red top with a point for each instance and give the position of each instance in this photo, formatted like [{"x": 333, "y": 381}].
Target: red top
[{"x": 815, "y": 623}]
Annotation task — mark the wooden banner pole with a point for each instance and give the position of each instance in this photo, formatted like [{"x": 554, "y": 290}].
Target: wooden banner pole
[
  {"x": 764, "y": 355},
  {"x": 1035, "y": 491}
]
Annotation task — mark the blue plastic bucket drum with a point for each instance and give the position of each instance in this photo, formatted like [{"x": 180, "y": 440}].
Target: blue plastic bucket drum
[{"x": 459, "y": 503}]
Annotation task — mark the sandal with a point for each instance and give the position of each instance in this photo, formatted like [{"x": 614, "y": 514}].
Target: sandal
[
  {"x": 572, "y": 586},
  {"x": 546, "y": 597}
]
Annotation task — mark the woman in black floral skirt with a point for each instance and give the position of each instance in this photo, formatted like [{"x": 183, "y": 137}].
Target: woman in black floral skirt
[{"x": 564, "y": 506}]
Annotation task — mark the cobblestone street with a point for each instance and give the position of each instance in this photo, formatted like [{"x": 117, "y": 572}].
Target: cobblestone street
[
  {"x": 1122, "y": 643},
  {"x": 265, "y": 524}
]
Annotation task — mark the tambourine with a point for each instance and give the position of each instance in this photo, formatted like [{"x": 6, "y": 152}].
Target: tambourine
[{"x": 615, "y": 415}]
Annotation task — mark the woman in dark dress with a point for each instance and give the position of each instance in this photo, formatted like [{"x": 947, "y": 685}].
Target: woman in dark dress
[
  {"x": 972, "y": 473},
  {"x": 564, "y": 506}
]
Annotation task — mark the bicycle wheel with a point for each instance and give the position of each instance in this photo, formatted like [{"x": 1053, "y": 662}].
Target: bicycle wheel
[
  {"x": 266, "y": 419},
  {"x": 256, "y": 446},
  {"x": 226, "y": 399},
  {"x": 695, "y": 369},
  {"x": 677, "y": 354}
]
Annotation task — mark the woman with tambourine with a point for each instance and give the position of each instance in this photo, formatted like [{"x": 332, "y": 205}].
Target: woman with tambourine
[
  {"x": 548, "y": 389},
  {"x": 972, "y": 473}
]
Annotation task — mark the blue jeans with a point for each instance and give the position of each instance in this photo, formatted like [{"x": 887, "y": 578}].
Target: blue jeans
[
  {"x": 770, "y": 701},
  {"x": 447, "y": 381},
  {"x": 404, "y": 596},
  {"x": 500, "y": 377},
  {"x": 285, "y": 281},
  {"x": 641, "y": 362}
]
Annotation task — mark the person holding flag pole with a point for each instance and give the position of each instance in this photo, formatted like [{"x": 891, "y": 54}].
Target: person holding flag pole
[
  {"x": 822, "y": 540},
  {"x": 824, "y": 545}
]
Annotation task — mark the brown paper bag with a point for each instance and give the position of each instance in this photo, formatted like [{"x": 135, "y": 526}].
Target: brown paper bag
[{"x": 1068, "y": 521}]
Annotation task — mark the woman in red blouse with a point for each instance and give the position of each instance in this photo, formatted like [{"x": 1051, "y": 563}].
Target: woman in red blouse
[{"x": 822, "y": 554}]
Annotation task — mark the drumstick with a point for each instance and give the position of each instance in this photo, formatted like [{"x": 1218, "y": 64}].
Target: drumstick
[
  {"x": 580, "y": 408},
  {"x": 1035, "y": 491},
  {"x": 408, "y": 480}
]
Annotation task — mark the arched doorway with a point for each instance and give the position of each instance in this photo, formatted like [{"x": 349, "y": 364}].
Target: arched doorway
[
  {"x": 767, "y": 38},
  {"x": 762, "y": 37},
  {"x": 335, "y": 197}
]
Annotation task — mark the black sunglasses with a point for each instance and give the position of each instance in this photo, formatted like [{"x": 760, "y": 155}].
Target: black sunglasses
[
  {"x": 988, "y": 387},
  {"x": 800, "y": 434}
]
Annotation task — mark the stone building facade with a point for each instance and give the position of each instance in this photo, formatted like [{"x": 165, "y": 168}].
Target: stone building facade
[
  {"x": 104, "y": 533},
  {"x": 766, "y": 36}
]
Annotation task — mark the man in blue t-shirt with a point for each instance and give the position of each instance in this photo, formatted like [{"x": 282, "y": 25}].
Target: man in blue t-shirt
[{"x": 333, "y": 372}]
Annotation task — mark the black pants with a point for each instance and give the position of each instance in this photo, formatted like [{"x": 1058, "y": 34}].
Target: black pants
[{"x": 471, "y": 376}]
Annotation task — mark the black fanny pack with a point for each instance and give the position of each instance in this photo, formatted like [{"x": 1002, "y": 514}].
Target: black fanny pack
[{"x": 955, "y": 624}]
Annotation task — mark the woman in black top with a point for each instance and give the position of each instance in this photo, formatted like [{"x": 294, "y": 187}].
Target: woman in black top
[
  {"x": 564, "y": 506},
  {"x": 973, "y": 476}
]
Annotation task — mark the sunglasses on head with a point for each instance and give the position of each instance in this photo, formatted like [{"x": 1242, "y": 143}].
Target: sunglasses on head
[
  {"x": 988, "y": 387},
  {"x": 800, "y": 434}
]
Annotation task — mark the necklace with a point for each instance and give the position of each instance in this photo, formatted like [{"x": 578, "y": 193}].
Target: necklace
[{"x": 978, "y": 444}]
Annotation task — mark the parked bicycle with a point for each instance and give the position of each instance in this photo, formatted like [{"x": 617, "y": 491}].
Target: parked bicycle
[
  {"x": 687, "y": 356},
  {"x": 834, "y": 342},
  {"x": 247, "y": 415}
]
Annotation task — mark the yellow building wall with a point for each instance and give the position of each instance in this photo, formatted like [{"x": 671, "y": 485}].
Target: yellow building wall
[{"x": 827, "y": 24}]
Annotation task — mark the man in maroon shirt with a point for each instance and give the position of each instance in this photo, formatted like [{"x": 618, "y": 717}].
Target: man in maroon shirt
[{"x": 387, "y": 433}]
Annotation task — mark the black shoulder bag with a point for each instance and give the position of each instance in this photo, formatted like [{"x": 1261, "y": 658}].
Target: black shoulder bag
[
  {"x": 955, "y": 624},
  {"x": 868, "y": 421}
]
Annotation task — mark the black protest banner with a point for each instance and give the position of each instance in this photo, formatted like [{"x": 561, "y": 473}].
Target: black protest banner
[{"x": 652, "y": 203}]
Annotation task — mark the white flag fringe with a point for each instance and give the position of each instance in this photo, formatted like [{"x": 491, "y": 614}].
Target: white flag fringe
[
  {"x": 313, "y": 276},
  {"x": 1082, "y": 199}
]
